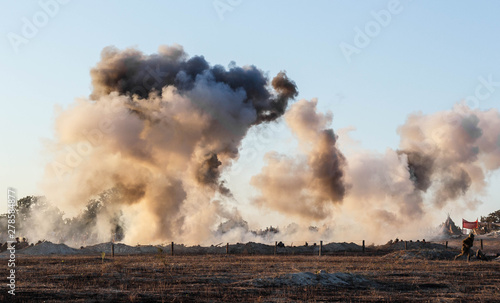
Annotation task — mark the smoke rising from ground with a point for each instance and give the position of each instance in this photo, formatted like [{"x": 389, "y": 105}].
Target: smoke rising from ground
[
  {"x": 451, "y": 153},
  {"x": 308, "y": 185},
  {"x": 443, "y": 160},
  {"x": 160, "y": 129}
]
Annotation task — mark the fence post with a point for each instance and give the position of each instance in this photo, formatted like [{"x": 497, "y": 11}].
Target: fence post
[
  {"x": 320, "y": 248},
  {"x": 112, "y": 249},
  {"x": 172, "y": 249},
  {"x": 446, "y": 244},
  {"x": 481, "y": 244},
  {"x": 275, "y": 247},
  {"x": 227, "y": 248},
  {"x": 363, "y": 245}
]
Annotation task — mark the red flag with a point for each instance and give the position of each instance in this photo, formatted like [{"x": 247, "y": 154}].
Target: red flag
[{"x": 469, "y": 225}]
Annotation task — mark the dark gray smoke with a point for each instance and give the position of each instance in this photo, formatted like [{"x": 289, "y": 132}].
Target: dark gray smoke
[
  {"x": 305, "y": 186},
  {"x": 451, "y": 152},
  {"x": 131, "y": 72},
  {"x": 420, "y": 167},
  {"x": 328, "y": 164},
  {"x": 160, "y": 129}
]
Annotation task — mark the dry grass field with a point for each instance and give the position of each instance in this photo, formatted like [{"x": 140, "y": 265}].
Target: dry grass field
[{"x": 222, "y": 278}]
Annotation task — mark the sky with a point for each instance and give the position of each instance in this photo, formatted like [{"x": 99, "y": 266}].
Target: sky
[{"x": 416, "y": 56}]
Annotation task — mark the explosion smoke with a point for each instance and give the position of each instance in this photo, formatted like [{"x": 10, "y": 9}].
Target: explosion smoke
[
  {"x": 445, "y": 156},
  {"x": 160, "y": 129},
  {"x": 307, "y": 186},
  {"x": 451, "y": 152}
]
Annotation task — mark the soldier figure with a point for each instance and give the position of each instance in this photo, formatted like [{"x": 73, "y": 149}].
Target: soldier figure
[{"x": 467, "y": 244}]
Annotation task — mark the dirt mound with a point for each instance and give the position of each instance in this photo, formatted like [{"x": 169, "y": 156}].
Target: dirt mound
[
  {"x": 251, "y": 248},
  {"x": 49, "y": 248},
  {"x": 336, "y": 247},
  {"x": 263, "y": 249},
  {"x": 400, "y": 245},
  {"x": 121, "y": 249},
  {"x": 320, "y": 278},
  {"x": 424, "y": 254}
]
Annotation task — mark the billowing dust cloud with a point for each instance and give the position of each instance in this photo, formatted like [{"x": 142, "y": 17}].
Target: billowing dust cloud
[
  {"x": 305, "y": 186},
  {"x": 159, "y": 129},
  {"x": 443, "y": 160}
]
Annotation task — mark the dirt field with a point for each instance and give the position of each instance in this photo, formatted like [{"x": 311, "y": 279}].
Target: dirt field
[{"x": 221, "y": 278}]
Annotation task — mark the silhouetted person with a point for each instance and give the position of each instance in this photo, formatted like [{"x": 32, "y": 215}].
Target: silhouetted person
[{"x": 467, "y": 244}]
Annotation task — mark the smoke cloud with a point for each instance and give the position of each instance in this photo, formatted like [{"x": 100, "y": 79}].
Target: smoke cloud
[
  {"x": 451, "y": 153},
  {"x": 307, "y": 185},
  {"x": 159, "y": 129},
  {"x": 443, "y": 160}
]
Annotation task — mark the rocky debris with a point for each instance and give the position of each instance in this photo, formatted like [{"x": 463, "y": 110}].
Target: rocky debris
[
  {"x": 321, "y": 278},
  {"x": 424, "y": 254}
]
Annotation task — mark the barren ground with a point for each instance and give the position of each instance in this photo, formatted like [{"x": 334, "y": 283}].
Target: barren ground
[{"x": 222, "y": 278}]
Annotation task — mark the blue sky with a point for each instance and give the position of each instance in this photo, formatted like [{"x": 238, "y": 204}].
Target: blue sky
[{"x": 427, "y": 58}]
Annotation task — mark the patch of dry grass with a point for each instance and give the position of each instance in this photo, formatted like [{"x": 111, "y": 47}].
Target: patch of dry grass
[{"x": 221, "y": 278}]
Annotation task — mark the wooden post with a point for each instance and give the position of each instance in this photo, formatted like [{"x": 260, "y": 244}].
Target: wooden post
[
  {"x": 112, "y": 249},
  {"x": 446, "y": 244},
  {"x": 227, "y": 248},
  {"x": 275, "y": 247},
  {"x": 481, "y": 244},
  {"x": 406, "y": 245},
  {"x": 172, "y": 249},
  {"x": 363, "y": 245},
  {"x": 320, "y": 248}
]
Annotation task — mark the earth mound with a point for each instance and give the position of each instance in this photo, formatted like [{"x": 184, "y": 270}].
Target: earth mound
[
  {"x": 423, "y": 254},
  {"x": 120, "y": 249},
  {"x": 400, "y": 245},
  {"x": 321, "y": 278},
  {"x": 49, "y": 248}
]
